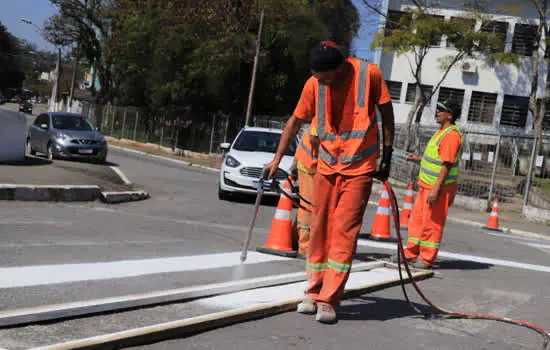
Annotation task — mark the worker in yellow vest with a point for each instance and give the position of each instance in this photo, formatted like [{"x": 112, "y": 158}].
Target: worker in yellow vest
[
  {"x": 306, "y": 164},
  {"x": 437, "y": 181}
]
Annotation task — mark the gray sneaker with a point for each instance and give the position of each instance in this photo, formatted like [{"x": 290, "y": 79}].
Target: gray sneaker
[
  {"x": 326, "y": 314},
  {"x": 422, "y": 265},
  {"x": 307, "y": 306}
]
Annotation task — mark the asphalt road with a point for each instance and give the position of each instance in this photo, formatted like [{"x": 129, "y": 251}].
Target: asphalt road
[{"x": 185, "y": 220}]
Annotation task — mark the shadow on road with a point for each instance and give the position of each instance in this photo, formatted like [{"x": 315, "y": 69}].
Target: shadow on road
[
  {"x": 380, "y": 309},
  {"x": 371, "y": 256},
  {"x": 461, "y": 265},
  {"x": 29, "y": 161}
]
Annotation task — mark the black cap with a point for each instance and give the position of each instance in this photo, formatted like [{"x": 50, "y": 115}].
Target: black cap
[
  {"x": 325, "y": 56},
  {"x": 452, "y": 107}
]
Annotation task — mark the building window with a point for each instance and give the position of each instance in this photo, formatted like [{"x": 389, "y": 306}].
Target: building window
[
  {"x": 482, "y": 107},
  {"x": 393, "y": 21},
  {"x": 448, "y": 94},
  {"x": 498, "y": 28},
  {"x": 468, "y": 25},
  {"x": 524, "y": 41},
  {"x": 514, "y": 111},
  {"x": 395, "y": 89},
  {"x": 411, "y": 92}
]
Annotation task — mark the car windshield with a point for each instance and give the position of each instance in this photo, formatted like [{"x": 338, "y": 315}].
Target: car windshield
[
  {"x": 261, "y": 141},
  {"x": 71, "y": 122}
]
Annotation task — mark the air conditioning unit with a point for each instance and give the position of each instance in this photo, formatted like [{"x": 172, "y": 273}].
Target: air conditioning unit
[{"x": 468, "y": 67}]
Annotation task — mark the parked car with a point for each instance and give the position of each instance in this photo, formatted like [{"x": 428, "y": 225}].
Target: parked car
[
  {"x": 25, "y": 107},
  {"x": 242, "y": 166},
  {"x": 66, "y": 135}
]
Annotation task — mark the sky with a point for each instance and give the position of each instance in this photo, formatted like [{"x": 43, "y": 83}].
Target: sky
[{"x": 38, "y": 12}]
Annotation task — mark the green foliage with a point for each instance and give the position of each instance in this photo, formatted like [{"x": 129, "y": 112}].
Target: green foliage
[{"x": 11, "y": 72}]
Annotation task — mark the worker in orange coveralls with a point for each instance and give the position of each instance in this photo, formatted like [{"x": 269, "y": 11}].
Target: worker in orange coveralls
[
  {"x": 437, "y": 181},
  {"x": 306, "y": 166},
  {"x": 340, "y": 99}
]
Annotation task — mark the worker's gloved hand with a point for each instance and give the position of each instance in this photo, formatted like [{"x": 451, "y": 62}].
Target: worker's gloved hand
[{"x": 385, "y": 165}]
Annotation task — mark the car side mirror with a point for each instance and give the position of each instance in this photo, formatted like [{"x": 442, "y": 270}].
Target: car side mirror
[
  {"x": 44, "y": 126},
  {"x": 225, "y": 146}
]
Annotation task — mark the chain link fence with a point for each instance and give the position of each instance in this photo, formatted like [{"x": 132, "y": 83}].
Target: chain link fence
[
  {"x": 177, "y": 132},
  {"x": 491, "y": 166}
]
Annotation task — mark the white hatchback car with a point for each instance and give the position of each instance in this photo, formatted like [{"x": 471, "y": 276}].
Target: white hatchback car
[{"x": 242, "y": 166}]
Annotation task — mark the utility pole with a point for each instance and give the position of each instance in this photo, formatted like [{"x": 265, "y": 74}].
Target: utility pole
[
  {"x": 55, "y": 88},
  {"x": 254, "y": 69}
]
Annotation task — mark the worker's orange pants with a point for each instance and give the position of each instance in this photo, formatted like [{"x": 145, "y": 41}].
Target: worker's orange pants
[
  {"x": 426, "y": 224},
  {"x": 339, "y": 205},
  {"x": 304, "y": 217}
]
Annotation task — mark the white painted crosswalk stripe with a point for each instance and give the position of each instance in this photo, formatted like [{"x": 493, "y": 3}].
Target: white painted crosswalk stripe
[
  {"x": 466, "y": 257},
  {"x": 25, "y": 276}
]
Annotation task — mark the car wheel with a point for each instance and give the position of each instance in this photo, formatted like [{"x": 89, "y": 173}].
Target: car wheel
[
  {"x": 49, "y": 152},
  {"x": 29, "y": 148},
  {"x": 223, "y": 195}
]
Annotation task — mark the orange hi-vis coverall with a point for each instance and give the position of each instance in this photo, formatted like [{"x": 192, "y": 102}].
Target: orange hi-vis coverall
[
  {"x": 306, "y": 159},
  {"x": 428, "y": 220},
  {"x": 349, "y": 147}
]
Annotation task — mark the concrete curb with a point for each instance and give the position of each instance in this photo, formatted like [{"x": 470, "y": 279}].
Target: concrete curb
[
  {"x": 55, "y": 193},
  {"x": 121, "y": 197},
  {"x": 67, "y": 193},
  {"x": 177, "y": 161},
  {"x": 193, "y": 325}
]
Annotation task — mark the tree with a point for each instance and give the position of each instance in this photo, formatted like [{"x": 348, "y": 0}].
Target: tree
[
  {"x": 85, "y": 22},
  {"x": 537, "y": 106},
  {"x": 414, "y": 33},
  {"x": 11, "y": 72}
]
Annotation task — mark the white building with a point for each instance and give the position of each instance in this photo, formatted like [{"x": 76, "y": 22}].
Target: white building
[{"x": 494, "y": 98}]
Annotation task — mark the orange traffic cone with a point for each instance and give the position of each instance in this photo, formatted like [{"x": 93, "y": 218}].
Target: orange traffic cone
[
  {"x": 492, "y": 224},
  {"x": 279, "y": 241},
  {"x": 381, "y": 226},
  {"x": 405, "y": 214}
]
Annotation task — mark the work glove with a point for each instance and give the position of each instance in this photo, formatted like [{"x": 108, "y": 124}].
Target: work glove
[{"x": 385, "y": 165}]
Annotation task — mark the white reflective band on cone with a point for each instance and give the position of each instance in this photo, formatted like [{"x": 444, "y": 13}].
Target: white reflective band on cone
[
  {"x": 283, "y": 214},
  {"x": 494, "y": 213},
  {"x": 385, "y": 195},
  {"x": 408, "y": 206},
  {"x": 383, "y": 210},
  {"x": 495, "y": 205},
  {"x": 409, "y": 193}
]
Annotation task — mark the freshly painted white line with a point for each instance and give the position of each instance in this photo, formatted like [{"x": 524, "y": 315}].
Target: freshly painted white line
[
  {"x": 465, "y": 257},
  {"x": 285, "y": 298},
  {"x": 121, "y": 175},
  {"x": 25, "y": 276},
  {"x": 57, "y": 311},
  {"x": 291, "y": 291}
]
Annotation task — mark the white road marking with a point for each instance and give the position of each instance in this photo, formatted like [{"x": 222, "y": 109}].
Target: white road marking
[
  {"x": 537, "y": 245},
  {"x": 121, "y": 175},
  {"x": 25, "y": 276},
  {"x": 465, "y": 257},
  {"x": 292, "y": 291}
]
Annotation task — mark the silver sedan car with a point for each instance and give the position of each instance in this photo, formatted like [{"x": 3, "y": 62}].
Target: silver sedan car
[{"x": 66, "y": 135}]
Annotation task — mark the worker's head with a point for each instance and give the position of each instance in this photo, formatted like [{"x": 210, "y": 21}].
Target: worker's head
[
  {"x": 326, "y": 62},
  {"x": 447, "y": 111}
]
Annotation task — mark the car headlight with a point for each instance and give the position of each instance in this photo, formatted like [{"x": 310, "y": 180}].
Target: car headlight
[
  {"x": 61, "y": 137},
  {"x": 231, "y": 162}
]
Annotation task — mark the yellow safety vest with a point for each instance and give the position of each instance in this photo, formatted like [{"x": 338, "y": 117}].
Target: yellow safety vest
[{"x": 431, "y": 164}]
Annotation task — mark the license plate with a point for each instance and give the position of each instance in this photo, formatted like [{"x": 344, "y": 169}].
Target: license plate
[{"x": 85, "y": 151}]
